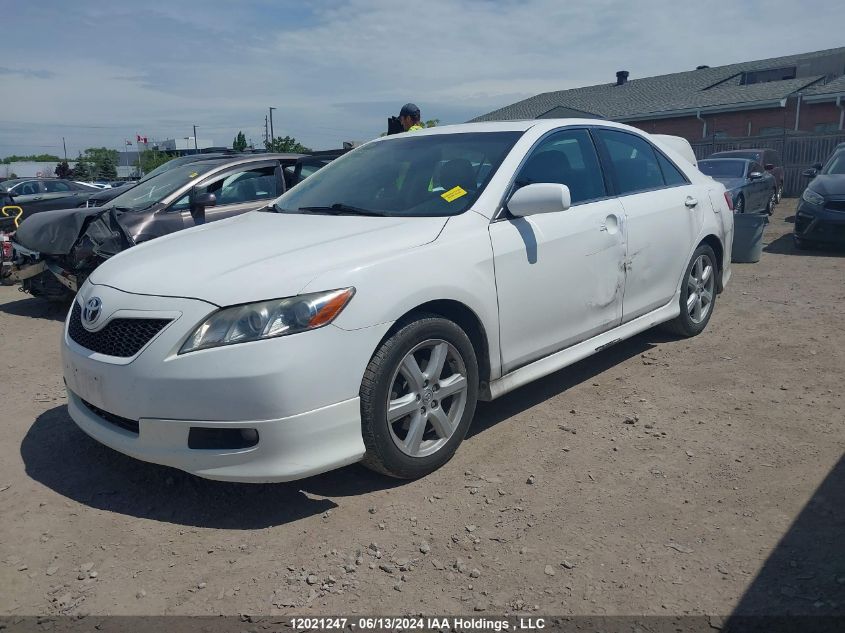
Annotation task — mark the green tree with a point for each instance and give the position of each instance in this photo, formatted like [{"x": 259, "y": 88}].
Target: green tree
[
  {"x": 239, "y": 143},
  {"x": 103, "y": 162},
  {"x": 432, "y": 123},
  {"x": 37, "y": 158},
  {"x": 82, "y": 170},
  {"x": 63, "y": 170},
  {"x": 150, "y": 159},
  {"x": 286, "y": 144}
]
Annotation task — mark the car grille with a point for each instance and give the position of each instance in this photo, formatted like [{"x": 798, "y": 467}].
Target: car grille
[
  {"x": 125, "y": 423},
  {"x": 835, "y": 205},
  {"x": 121, "y": 337}
]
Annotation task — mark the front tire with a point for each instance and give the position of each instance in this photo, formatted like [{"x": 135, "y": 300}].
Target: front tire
[
  {"x": 698, "y": 294},
  {"x": 739, "y": 205},
  {"x": 779, "y": 194},
  {"x": 418, "y": 397}
]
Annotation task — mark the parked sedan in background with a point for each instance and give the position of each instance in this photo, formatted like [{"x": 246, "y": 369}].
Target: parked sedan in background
[
  {"x": 752, "y": 188},
  {"x": 57, "y": 250},
  {"x": 34, "y": 195},
  {"x": 768, "y": 158},
  {"x": 820, "y": 217}
]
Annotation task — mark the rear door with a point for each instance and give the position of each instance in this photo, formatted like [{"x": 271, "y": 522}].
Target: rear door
[{"x": 663, "y": 216}]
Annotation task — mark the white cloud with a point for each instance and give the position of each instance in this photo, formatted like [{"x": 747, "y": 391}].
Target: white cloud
[{"x": 335, "y": 72}]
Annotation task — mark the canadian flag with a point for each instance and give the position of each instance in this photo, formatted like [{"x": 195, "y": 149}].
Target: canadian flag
[{"x": 141, "y": 139}]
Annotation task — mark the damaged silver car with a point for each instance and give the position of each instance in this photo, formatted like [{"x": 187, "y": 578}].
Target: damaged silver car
[{"x": 54, "y": 252}]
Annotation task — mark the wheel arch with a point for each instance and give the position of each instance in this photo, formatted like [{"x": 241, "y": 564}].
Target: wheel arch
[
  {"x": 465, "y": 318},
  {"x": 716, "y": 244}
]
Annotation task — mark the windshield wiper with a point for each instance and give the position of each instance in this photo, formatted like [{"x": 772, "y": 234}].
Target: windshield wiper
[{"x": 338, "y": 208}]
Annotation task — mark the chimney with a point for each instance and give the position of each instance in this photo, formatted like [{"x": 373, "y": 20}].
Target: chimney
[
  {"x": 701, "y": 67},
  {"x": 621, "y": 77}
]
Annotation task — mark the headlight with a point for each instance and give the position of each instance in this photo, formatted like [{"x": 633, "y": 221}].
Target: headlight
[
  {"x": 812, "y": 197},
  {"x": 268, "y": 319}
]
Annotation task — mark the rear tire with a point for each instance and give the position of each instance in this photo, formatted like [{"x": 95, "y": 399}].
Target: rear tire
[
  {"x": 779, "y": 194},
  {"x": 739, "y": 205},
  {"x": 410, "y": 428},
  {"x": 698, "y": 294}
]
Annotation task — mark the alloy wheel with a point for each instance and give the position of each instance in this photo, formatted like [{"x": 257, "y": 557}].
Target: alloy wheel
[
  {"x": 700, "y": 289},
  {"x": 427, "y": 397}
]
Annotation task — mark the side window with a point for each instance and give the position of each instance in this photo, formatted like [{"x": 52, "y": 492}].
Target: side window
[
  {"x": 634, "y": 161},
  {"x": 568, "y": 158},
  {"x": 243, "y": 186},
  {"x": 672, "y": 176},
  {"x": 55, "y": 186},
  {"x": 28, "y": 188}
]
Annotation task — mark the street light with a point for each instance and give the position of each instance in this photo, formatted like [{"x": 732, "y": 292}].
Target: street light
[
  {"x": 272, "y": 136},
  {"x": 195, "y": 138}
]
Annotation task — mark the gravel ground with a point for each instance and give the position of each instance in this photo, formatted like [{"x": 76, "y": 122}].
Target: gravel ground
[{"x": 662, "y": 476}]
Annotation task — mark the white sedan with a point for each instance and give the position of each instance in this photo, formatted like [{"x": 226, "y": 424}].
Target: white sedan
[{"x": 360, "y": 316}]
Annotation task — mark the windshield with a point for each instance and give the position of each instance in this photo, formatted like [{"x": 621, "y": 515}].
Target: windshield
[
  {"x": 145, "y": 194},
  {"x": 835, "y": 165},
  {"x": 722, "y": 168},
  {"x": 423, "y": 175}
]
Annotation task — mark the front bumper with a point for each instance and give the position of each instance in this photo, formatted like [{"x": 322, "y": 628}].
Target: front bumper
[
  {"x": 300, "y": 392},
  {"x": 818, "y": 224},
  {"x": 288, "y": 448}
]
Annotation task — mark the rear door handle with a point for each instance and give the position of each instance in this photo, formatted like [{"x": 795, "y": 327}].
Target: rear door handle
[{"x": 691, "y": 202}]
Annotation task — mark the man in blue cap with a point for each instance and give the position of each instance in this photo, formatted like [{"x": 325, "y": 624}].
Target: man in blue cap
[{"x": 409, "y": 117}]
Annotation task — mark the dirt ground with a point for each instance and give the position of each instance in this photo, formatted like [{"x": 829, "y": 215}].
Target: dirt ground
[{"x": 724, "y": 492}]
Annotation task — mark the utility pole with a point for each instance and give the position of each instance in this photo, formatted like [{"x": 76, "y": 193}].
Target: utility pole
[
  {"x": 64, "y": 147},
  {"x": 195, "y": 138},
  {"x": 272, "y": 135},
  {"x": 266, "y": 137}
]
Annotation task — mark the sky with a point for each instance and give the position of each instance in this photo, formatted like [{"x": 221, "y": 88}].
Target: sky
[{"x": 97, "y": 72}]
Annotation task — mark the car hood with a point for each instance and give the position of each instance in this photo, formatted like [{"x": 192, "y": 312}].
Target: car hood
[
  {"x": 829, "y": 185},
  {"x": 730, "y": 183},
  {"x": 54, "y": 232},
  {"x": 259, "y": 255}
]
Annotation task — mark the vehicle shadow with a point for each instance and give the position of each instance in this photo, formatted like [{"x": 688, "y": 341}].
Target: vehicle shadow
[
  {"x": 805, "y": 573},
  {"x": 784, "y": 245},
  {"x": 488, "y": 414},
  {"x": 36, "y": 308},
  {"x": 57, "y": 454}
]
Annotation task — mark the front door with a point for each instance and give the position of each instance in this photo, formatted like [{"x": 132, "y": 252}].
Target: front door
[
  {"x": 238, "y": 190},
  {"x": 559, "y": 276}
]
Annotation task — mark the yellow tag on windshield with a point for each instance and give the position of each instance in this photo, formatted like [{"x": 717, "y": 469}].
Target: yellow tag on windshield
[
  {"x": 453, "y": 194},
  {"x": 193, "y": 174}
]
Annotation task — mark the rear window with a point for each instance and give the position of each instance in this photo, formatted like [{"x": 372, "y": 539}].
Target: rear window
[{"x": 722, "y": 167}]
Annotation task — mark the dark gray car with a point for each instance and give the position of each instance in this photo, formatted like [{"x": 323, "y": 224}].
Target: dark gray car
[
  {"x": 34, "y": 195},
  {"x": 768, "y": 158},
  {"x": 752, "y": 188},
  {"x": 55, "y": 251}
]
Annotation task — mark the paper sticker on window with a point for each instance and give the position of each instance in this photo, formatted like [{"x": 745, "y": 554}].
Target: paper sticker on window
[
  {"x": 193, "y": 174},
  {"x": 453, "y": 194}
]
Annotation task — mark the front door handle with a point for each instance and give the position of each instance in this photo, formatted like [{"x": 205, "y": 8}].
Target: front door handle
[{"x": 691, "y": 202}]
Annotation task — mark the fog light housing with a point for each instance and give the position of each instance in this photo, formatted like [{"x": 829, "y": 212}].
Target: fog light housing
[{"x": 222, "y": 439}]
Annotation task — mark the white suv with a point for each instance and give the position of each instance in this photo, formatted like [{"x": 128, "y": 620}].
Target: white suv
[{"x": 362, "y": 315}]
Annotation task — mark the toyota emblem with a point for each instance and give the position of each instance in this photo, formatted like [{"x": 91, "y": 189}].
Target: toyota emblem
[{"x": 92, "y": 310}]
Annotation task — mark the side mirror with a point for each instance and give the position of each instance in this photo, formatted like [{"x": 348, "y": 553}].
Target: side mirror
[
  {"x": 539, "y": 198},
  {"x": 755, "y": 175},
  {"x": 769, "y": 166},
  {"x": 199, "y": 201},
  {"x": 817, "y": 166},
  {"x": 809, "y": 173}
]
